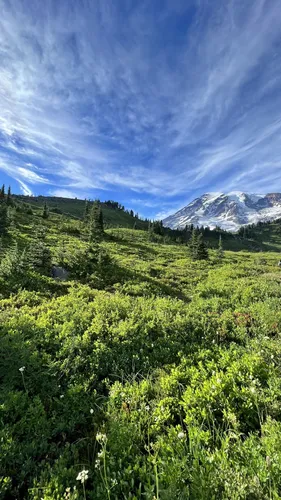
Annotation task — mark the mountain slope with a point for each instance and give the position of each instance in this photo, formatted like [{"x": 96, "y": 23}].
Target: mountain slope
[
  {"x": 229, "y": 211},
  {"x": 113, "y": 217}
]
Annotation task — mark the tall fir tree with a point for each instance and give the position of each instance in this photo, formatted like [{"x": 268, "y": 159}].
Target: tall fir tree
[
  {"x": 45, "y": 213},
  {"x": 4, "y": 218},
  {"x": 39, "y": 256},
  {"x": 9, "y": 197},
  {"x": 86, "y": 211},
  {"x": 14, "y": 262},
  {"x": 202, "y": 250},
  {"x": 197, "y": 247},
  {"x": 220, "y": 251},
  {"x": 193, "y": 244},
  {"x": 2, "y": 192},
  {"x": 96, "y": 227}
]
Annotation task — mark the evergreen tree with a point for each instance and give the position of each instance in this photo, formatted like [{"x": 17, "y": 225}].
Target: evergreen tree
[
  {"x": 202, "y": 250},
  {"x": 45, "y": 213},
  {"x": 220, "y": 251},
  {"x": 9, "y": 197},
  {"x": 197, "y": 246},
  {"x": 13, "y": 264},
  {"x": 39, "y": 257},
  {"x": 157, "y": 227},
  {"x": 4, "y": 218},
  {"x": 193, "y": 244},
  {"x": 86, "y": 211},
  {"x": 96, "y": 228},
  {"x": 2, "y": 192}
]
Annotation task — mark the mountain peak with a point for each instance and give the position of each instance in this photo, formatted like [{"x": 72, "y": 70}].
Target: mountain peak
[{"x": 230, "y": 210}]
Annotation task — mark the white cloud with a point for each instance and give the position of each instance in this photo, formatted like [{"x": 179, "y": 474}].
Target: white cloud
[
  {"x": 64, "y": 193},
  {"x": 95, "y": 98},
  {"x": 24, "y": 188}
]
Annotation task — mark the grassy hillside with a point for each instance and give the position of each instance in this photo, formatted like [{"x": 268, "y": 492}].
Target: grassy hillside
[
  {"x": 146, "y": 374},
  {"x": 75, "y": 208}
]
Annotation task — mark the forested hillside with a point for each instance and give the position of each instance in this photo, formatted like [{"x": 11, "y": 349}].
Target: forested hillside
[{"x": 132, "y": 366}]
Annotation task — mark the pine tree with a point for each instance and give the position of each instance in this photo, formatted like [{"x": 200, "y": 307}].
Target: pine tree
[
  {"x": 9, "y": 197},
  {"x": 86, "y": 211},
  {"x": 202, "y": 250},
  {"x": 96, "y": 228},
  {"x": 45, "y": 213},
  {"x": 220, "y": 251},
  {"x": 193, "y": 244},
  {"x": 4, "y": 218},
  {"x": 39, "y": 256},
  {"x": 197, "y": 246},
  {"x": 2, "y": 192},
  {"x": 13, "y": 263}
]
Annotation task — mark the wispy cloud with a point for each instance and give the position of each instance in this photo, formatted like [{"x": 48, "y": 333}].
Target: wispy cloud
[{"x": 163, "y": 99}]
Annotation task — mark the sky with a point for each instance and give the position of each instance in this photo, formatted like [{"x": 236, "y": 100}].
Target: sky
[{"x": 147, "y": 102}]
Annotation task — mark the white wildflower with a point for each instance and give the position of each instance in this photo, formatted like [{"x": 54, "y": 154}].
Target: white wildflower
[
  {"x": 181, "y": 435},
  {"x": 62, "y": 396},
  {"x": 97, "y": 463},
  {"x": 101, "y": 438},
  {"x": 147, "y": 407},
  {"x": 83, "y": 476},
  {"x": 114, "y": 482},
  {"x": 22, "y": 369},
  {"x": 91, "y": 411}
]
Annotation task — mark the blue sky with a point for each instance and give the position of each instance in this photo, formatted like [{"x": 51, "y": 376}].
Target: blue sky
[{"x": 150, "y": 103}]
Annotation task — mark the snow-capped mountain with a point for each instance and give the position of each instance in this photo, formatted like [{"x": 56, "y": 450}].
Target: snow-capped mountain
[{"x": 229, "y": 211}]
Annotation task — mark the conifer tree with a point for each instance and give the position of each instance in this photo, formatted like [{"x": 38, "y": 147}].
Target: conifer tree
[
  {"x": 13, "y": 262},
  {"x": 220, "y": 251},
  {"x": 86, "y": 211},
  {"x": 193, "y": 244},
  {"x": 197, "y": 246},
  {"x": 4, "y": 218},
  {"x": 45, "y": 213},
  {"x": 39, "y": 255},
  {"x": 9, "y": 197},
  {"x": 202, "y": 250},
  {"x": 96, "y": 228},
  {"x": 2, "y": 192}
]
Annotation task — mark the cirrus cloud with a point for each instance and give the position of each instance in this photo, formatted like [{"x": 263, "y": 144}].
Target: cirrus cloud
[{"x": 164, "y": 99}]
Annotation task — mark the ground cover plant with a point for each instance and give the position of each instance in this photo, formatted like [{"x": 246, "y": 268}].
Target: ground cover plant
[{"x": 149, "y": 373}]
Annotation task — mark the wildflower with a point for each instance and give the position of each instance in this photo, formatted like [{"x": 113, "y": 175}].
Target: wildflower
[
  {"x": 91, "y": 411},
  {"x": 62, "y": 396},
  {"x": 82, "y": 476},
  {"x": 22, "y": 369},
  {"x": 181, "y": 435},
  {"x": 101, "y": 454},
  {"x": 67, "y": 493},
  {"x": 147, "y": 407},
  {"x": 272, "y": 356},
  {"x": 101, "y": 438},
  {"x": 114, "y": 482},
  {"x": 97, "y": 463}
]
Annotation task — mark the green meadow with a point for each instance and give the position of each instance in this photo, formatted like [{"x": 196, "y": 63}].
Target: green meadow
[{"x": 143, "y": 374}]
